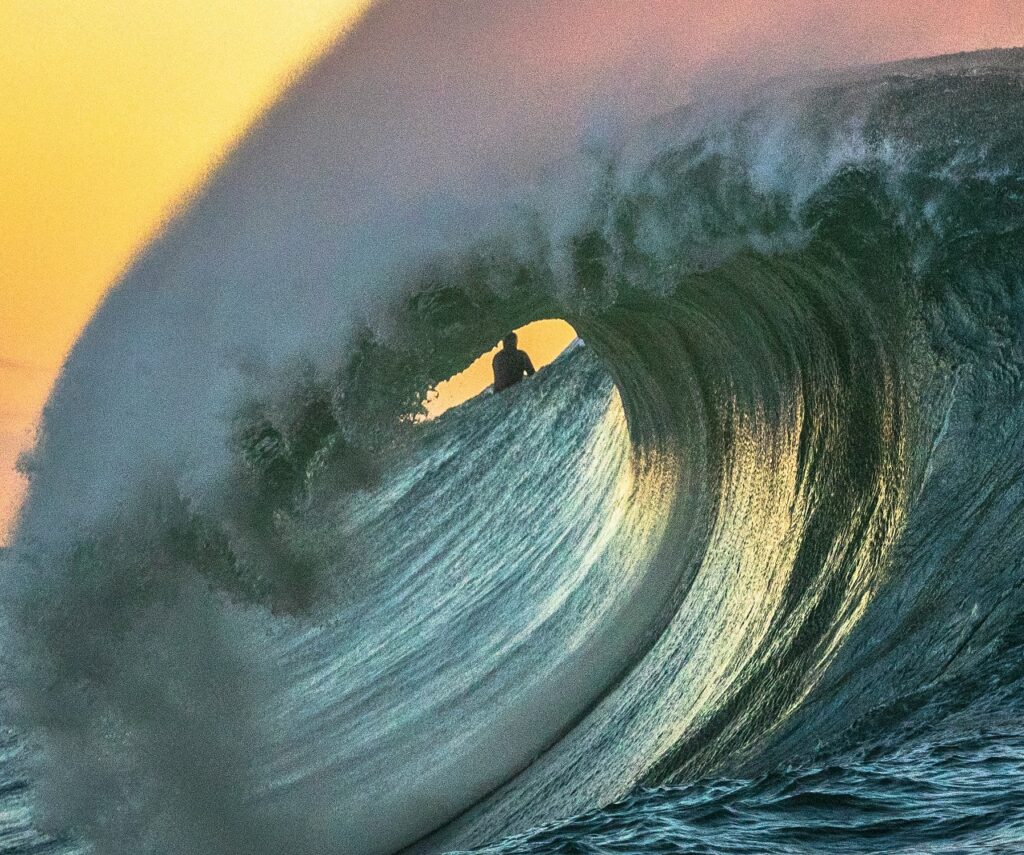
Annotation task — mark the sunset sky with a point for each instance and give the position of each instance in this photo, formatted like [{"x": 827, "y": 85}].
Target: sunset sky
[{"x": 112, "y": 110}]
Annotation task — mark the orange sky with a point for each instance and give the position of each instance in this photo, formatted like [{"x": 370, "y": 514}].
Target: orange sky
[{"x": 111, "y": 110}]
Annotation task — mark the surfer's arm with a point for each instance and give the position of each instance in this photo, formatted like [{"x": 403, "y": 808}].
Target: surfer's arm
[{"x": 528, "y": 366}]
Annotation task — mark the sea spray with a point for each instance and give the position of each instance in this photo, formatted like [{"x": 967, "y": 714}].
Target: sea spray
[{"x": 724, "y": 531}]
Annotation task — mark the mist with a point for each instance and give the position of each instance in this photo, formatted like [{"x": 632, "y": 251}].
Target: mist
[{"x": 411, "y": 139}]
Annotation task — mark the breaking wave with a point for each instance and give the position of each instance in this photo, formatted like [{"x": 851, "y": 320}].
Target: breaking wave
[{"x": 767, "y": 511}]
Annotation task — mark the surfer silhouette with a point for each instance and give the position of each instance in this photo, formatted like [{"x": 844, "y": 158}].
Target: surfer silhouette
[{"x": 510, "y": 364}]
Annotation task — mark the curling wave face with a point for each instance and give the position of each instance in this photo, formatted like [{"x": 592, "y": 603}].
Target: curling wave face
[{"x": 768, "y": 512}]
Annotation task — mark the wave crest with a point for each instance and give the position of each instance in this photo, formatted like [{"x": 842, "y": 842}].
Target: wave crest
[{"x": 725, "y": 531}]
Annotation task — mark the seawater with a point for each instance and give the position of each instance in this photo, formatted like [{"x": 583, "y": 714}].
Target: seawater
[{"x": 740, "y": 573}]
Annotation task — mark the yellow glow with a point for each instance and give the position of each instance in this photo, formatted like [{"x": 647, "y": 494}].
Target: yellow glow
[
  {"x": 111, "y": 111},
  {"x": 542, "y": 340}
]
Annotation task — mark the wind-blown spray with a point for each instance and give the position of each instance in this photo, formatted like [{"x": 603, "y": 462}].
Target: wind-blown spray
[{"x": 253, "y": 607}]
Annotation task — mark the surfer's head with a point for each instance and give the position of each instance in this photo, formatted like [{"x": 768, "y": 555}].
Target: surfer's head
[{"x": 510, "y": 341}]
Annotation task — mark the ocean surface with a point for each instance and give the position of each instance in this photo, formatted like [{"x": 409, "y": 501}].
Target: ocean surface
[{"x": 740, "y": 572}]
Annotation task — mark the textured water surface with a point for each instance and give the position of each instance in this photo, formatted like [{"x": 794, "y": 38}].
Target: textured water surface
[{"x": 740, "y": 573}]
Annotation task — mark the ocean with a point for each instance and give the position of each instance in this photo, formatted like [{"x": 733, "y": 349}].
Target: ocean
[{"x": 740, "y": 572}]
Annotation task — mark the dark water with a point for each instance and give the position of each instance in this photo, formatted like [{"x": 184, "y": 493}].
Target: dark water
[
  {"x": 949, "y": 796},
  {"x": 743, "y": 574}
]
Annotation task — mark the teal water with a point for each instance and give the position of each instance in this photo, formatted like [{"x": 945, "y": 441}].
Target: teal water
[{"x": 741, "y": 573}]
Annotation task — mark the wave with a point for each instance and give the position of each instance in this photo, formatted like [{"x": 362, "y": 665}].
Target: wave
[{"x": 769, "y": 508}]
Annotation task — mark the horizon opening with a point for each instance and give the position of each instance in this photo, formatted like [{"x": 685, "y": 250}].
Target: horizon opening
[{"x": 544, "y": 341}]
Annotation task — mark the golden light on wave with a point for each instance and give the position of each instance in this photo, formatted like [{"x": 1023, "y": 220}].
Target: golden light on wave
[{"x": 542, "y": 340}]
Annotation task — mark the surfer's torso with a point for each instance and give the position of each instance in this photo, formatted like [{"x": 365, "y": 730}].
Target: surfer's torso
[{"x": 510, "y": 366}]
